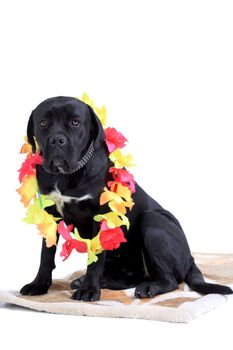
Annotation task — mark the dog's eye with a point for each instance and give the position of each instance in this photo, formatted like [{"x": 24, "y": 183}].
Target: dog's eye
[
  {"x": 43, "y": 123},
  {"x": 75, "y": 122}
]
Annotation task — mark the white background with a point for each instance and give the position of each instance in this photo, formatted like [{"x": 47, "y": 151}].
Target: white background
[{"x": 164, "y": 69}]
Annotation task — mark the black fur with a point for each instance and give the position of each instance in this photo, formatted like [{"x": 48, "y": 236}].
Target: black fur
[{"x": 156, "y": 257}]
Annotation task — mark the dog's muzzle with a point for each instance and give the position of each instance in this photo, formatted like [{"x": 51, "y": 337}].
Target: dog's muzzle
[{"x": 59, "y": 166}]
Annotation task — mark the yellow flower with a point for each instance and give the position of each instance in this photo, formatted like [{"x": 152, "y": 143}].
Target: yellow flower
[
  {"x": 121, "y": 160},
  {"x": 93, "y": 246},
  {"x": 36, "y": 213},
  {"x": 114, "y": 219},
  {"x": 28, "y": 189},
  {"x": 101, "y": 112},
  {"x": 46, "y": 223},
  {"x": 118, "y": 200},
  {"x": 48, "y": 229},
  {"x": 86, "y": 99},
  {"x": 117, "y": 207}
]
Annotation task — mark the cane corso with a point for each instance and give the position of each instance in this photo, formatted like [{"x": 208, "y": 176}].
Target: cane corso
[{"x": 75, "y": 169}]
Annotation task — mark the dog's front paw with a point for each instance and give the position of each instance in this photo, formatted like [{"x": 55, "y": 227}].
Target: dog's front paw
[
  {"x": 37, "y": 287},
  {"x": 87, "y": 294}
]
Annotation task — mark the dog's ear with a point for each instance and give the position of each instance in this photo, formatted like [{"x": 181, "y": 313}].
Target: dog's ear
[
  {"x": 97, "y": 131},
  {"x": 30, "y": 133}
]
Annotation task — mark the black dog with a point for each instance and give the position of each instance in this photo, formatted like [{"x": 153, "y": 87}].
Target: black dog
[{"x": 156, "y": 257}]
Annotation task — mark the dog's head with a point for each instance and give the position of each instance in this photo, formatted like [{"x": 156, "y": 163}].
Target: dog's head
[{"x": 64, "y": 127}]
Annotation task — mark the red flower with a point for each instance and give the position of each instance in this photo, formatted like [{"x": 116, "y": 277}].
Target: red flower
[
  {"x": 29, "y": 165},
  {"x": 122, "y": 176},
  {"x": 64, "y": 230},
  {"x": 111, "y": 238},
  {"x": 114, "y": 139},
  {"x": 71, "y": 244}
]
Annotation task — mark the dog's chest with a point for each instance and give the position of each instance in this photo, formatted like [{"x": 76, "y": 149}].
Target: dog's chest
[{"x": 60, "y": 200}]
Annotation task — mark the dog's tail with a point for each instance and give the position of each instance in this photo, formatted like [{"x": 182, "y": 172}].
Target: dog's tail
[{"x": 195, "y": 280}]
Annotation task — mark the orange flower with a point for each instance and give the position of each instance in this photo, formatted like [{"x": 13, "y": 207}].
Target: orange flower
[
  {"x": 48, "y": 230},
  {"x": 28, "y": 189},
  {"x": 124, "y": 177}
]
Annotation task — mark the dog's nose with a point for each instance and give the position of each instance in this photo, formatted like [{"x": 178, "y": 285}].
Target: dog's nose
[{"x": 59, "y": 140}]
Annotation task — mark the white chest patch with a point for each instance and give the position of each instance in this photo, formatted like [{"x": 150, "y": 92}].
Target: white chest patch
[{"x": 60, "y": 200}]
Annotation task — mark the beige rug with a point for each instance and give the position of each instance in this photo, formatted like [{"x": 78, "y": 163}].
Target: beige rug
[{"x": 181, "y": 305}]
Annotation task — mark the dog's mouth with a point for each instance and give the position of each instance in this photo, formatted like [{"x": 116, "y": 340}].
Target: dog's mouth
[{"x": 57, "y": 166}]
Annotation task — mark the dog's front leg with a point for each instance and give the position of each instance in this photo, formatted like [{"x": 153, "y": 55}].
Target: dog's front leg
[
  {"x": 89, "y": 289},
  {"x": 43, "y": 280}
]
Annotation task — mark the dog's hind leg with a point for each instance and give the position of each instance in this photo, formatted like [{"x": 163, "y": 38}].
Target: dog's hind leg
[{"x": 166, "y": 253}]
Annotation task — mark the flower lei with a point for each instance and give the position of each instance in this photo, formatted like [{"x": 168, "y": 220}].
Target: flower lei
[{"x": 117, "y": 194}]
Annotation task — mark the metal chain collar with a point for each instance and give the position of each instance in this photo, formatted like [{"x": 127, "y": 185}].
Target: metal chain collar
[{"x": 86, "y": 156}]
